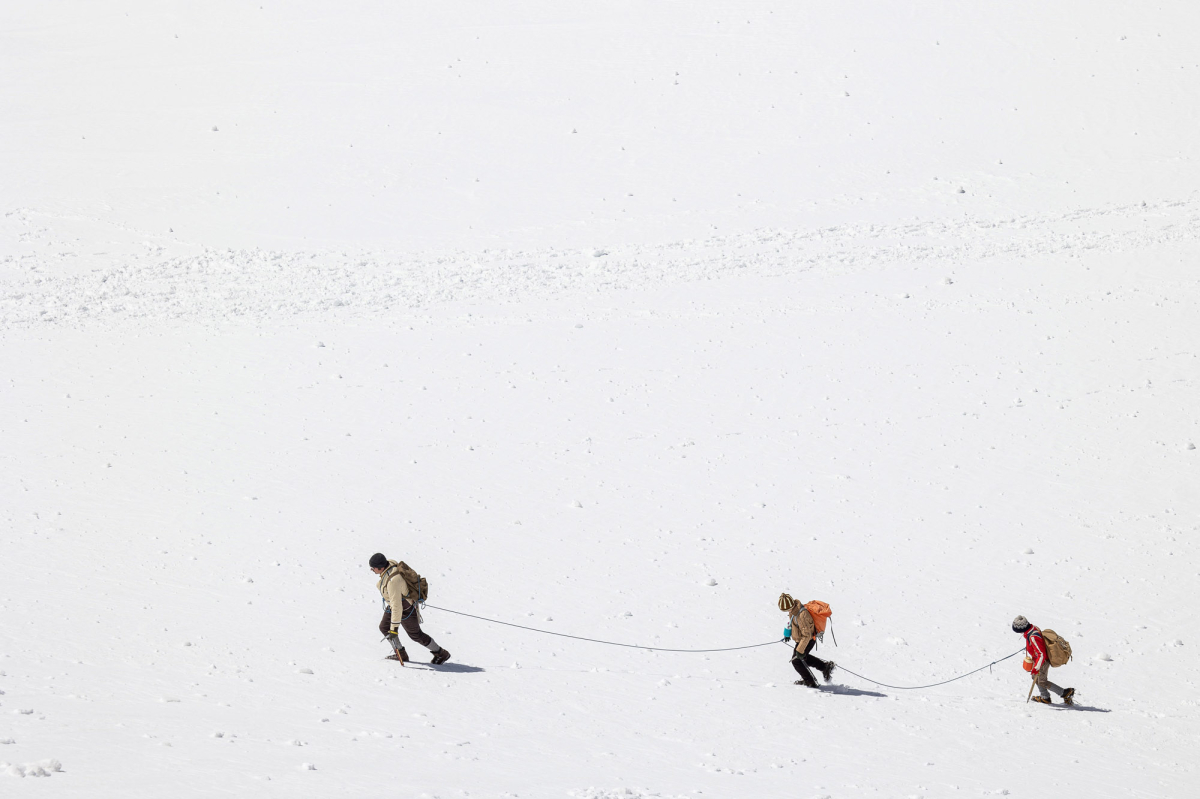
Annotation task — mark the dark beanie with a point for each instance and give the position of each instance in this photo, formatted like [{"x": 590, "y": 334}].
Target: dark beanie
[{"x": 378, "y": 561}]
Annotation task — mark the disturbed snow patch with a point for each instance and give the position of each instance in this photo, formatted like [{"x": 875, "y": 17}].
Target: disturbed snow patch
[
  {"x": 42, "y": 768},
  {"x": 175, "y": 281},
  {"x": 620, "y": 793}
]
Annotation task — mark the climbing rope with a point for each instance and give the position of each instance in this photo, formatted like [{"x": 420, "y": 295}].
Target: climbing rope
[
  {"x": 931, "y": 685},
  {"x": 596, "y": 640},
  {"x": 726, "y": 649}
]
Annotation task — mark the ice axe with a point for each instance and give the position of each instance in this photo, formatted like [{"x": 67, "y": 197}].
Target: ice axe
[{"x": 1032, "y": 683}]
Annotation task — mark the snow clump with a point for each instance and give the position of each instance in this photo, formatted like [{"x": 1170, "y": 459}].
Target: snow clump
[{"x": 42, "y": 768}]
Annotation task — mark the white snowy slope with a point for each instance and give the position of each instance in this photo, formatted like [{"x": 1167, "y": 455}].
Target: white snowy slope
[{"x": 613, "y": 320}]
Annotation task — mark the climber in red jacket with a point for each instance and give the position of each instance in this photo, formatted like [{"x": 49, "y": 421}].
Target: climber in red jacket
[{"x": 1037, "y": 659}]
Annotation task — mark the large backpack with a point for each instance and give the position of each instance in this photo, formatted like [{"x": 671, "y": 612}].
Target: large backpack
[
  {"x": 820, "y": 613},
  {"x": 1057, "y": 646},
  {"x": 418, "y": 586}
]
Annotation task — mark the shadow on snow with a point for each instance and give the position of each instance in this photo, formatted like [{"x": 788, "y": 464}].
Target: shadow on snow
[
  {"x": 845, "y": 690},
  {"x": 1084, "y": 708},
  {"x": 453, "y": 668}
]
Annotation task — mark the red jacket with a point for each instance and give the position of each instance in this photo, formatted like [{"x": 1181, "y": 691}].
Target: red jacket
[{"x": 1035, "y": 647}]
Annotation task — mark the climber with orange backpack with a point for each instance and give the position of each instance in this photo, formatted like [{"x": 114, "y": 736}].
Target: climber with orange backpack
[
  {"x": 1043, "y": 649},
  {"x": 806, "y": 625}
]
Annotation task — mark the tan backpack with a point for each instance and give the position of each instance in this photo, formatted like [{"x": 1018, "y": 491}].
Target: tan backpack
[
  {"x": 418, "y": 586},
  {"x": 1057, "y": 646}
]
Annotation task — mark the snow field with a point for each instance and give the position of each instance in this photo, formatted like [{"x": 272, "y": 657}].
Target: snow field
[
  {"x": 613, "y": 320},
  {"x": 600, "y": 460},
  {"x": 299, "y": 126}
]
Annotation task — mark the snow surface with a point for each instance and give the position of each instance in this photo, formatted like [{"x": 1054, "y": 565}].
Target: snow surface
[{"x": 614, "y": 320}]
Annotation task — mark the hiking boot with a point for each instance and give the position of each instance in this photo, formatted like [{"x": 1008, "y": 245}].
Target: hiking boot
[
  {"x": 827, "y": 672},
  {"x": 1068, "y": 696},
  {"x": 805, "y": 684},
  {"x": 399, "y": 655},
  {"x": 1042, "y": 700},
  {"x": 440, "y": 656}
]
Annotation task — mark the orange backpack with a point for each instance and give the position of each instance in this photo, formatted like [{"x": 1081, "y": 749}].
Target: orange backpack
[{"x": 820, "y": 613}]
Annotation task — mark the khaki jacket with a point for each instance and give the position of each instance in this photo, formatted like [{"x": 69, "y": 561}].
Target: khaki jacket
[
  {"x": 394, "y": 591},
  {"x": 803, "y": 628}
]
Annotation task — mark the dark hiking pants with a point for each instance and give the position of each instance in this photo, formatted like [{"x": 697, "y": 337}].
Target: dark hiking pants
[
  {"x": 408, "y": 620},
  {"x": 801, "y": 662}
]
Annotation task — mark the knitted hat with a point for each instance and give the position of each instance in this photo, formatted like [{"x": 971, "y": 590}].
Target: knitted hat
[
  {"x": 1021, "y": 624},
  {"x": 378, "y": 561},
  {"x": 786, "y": 603}
]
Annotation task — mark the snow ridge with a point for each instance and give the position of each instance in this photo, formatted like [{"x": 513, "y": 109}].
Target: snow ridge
[{"x": 148, "y": 278}]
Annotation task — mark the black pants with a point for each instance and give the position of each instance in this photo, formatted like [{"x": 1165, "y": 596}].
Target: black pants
[
  {"x": 408, "y": 620},
  {"x": 801, "y": 662}
]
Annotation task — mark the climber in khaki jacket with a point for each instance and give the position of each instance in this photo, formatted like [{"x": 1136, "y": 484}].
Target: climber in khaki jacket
[
  {"x": 396, "y": 595},
  {"x": 802, "y": 631}
]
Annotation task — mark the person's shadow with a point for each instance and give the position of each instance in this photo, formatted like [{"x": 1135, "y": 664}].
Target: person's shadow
[
  {"x": 845, "y": 690},
  {"x": 453, "y": 668},
  {"x": 1086, "y": 708}
]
